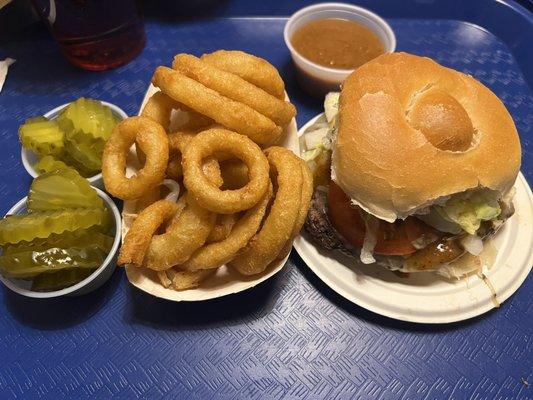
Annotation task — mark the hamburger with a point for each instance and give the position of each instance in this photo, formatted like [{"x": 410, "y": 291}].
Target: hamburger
[{"x": 414, "y": 166}]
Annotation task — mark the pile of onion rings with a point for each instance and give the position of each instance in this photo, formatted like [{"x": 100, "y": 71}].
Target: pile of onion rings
[
  {"x": 207, "y": 192},
  {"x": 238, "y": 91}
]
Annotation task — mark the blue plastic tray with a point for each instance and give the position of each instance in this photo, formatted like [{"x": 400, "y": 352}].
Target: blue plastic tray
[{"x": 291, "y": 336}]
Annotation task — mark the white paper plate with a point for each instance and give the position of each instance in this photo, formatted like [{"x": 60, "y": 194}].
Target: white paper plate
[
  {"x": 222, "y": 283},
  {"x": 424, "y": 297}
]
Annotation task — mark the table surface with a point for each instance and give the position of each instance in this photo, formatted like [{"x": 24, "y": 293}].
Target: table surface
[{"x": 290, "y": 337}]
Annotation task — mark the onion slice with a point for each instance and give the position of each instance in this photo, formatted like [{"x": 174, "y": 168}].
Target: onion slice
[
  {"x": 473, "y": 244},
  {"x": 371, "y": 239},
  {"x": 174, "y": 188}
]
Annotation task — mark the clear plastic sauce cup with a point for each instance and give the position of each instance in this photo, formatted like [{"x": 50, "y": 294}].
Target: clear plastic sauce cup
[{"x": 317, "y": 79}]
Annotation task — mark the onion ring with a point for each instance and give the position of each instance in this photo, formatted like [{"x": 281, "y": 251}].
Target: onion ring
[
  {"x": 183, "y": 280},
  {"x": 163, "y": 278},
  {"x": 177, "y": 141},
  {"x": 152, "y": 140},
  {"x": 137, "y": 240},
  {"x": 216, "y": 254},
  {"x": 250, "y": 68},
  {"x": 278, "y": 227},
  {"x": 182, "y": 238},
  {"x": 159, "y": 107},
  {"x": 307, "y": 193},
  {"x": 305, "y": 202},
  {"x": 206, "y": 144},
  {"x": 227, "y": 112},
  {"x": 147, "y": 199},
  {"x": 235, "y": 88},
  {"x": 187, "y": 231},
  {"x": 174, "y": 170},
  {"x": 155, "y": 194},
  {"x": 234, "y": 174},
  {"x": 222, "y": 228}
]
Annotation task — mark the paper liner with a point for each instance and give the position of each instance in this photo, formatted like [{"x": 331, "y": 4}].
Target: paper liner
[{"x": 225, "y": 281}]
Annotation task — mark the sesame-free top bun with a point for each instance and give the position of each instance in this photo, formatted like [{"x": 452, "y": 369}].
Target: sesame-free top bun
[{"x": 412, "y": 131}]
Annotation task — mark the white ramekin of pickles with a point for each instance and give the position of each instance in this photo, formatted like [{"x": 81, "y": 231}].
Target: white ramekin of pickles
[
  {"x": 73, "y": 134},
  {"x": 63, "y": 238}
]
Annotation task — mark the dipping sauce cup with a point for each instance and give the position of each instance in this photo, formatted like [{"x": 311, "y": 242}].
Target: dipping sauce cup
[{"x": 316, "y": 79}]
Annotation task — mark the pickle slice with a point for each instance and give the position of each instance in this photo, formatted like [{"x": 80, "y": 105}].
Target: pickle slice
[
  {"x": 71, "y": 162},
  {"x": 77, "y": 238},
  {"x": 49, "y": 164},
  {"x": 59, "y": 280},
  {"x": 27, "y": 264},
  {"x": 34, "y": 120},
  {"x": 41, "y": 136},
  {"x": 62, "y": 189},
  {"x": 17, "y": 228},
  {"x": 84, "y": 154},
  {"x": 88, "y": 117}
]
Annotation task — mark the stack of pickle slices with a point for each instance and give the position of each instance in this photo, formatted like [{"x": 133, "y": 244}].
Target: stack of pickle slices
[
  {"x": 75, "y": 139},
  {"x": 65, "y": 235}
]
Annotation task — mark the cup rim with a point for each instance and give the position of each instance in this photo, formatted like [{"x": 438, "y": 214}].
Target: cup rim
[
  {"x": 107, "y": 263},
  {"x": 343, "y": 7},
  {"x": 53, "y": 113}
]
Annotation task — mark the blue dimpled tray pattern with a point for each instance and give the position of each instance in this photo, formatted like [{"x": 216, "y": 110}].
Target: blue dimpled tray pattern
[{"x": 290, "y": 337}]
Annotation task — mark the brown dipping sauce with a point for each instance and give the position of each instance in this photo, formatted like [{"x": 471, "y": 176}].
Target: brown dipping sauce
[{"x": 337, "y": 43}]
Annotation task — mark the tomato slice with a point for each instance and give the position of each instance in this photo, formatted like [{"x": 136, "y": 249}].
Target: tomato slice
[
  {"x": 392, "y": 239},
  {"x": 345, "y": 218}
]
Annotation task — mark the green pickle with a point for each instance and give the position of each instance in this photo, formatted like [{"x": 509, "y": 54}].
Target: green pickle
[
  {"x": 87, "y": 125},
  {"x": 18, "y": 228},
  {"x": 76, "y": 138},
  {"x": 77, "y": 238},
  {"x": 42, "y": 136},
  {"x": 82, "y": 169},
  {"x": 62, "y": 189},
  {"x": 67, "y": 231},
  {"x": 84, "y": 154},
  {"x": 59, "y": 280},
  {"x": 28, "y": 264},
  {"x": 49, "y": 164},
  {"x": 88, "y": 117}
]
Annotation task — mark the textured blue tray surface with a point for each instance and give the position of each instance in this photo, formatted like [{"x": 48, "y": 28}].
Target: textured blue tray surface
[{"x": 290, "y": 337}]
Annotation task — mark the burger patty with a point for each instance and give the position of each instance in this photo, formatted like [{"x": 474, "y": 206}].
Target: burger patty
[
  {"x": 318, "y": 224},
  {"x": 443, "y": 251},
  {"x": 319, "y": 227}
]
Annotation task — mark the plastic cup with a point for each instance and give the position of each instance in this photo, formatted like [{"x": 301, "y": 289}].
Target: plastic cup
[{"x": 317, "y": 79}]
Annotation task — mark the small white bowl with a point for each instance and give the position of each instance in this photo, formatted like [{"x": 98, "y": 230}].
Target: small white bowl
[
  {"x": 310, "y": 73},
  {"x": 29, "y": 158},
  {"x": 93, "y": 281}
]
